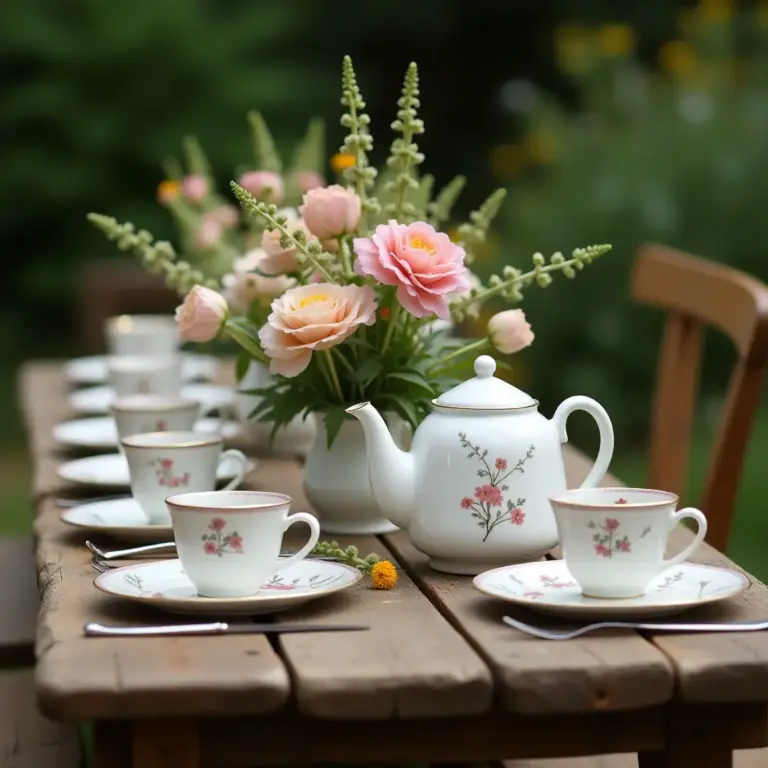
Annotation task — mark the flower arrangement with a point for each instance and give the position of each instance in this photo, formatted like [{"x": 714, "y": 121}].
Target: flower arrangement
[{"x": 361, "y": 284}]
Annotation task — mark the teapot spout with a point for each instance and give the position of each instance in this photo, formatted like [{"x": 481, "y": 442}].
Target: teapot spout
[{"x": 390, "y": 469}]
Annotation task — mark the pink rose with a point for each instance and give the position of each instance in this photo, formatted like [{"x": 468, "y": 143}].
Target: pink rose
[
  {"x": 264, "y": 185},
  {"x": 194, "y": 187},
  {"x": 509, "y": 331},
  {"x": 279, "y": 260},
  {"x": 424, "y": 264},
  {"x": 201, "y": 315},
  {"x": 331, "y": 211},
  {"x": 306, "y": 180},
  {"x": 313, "y": 317},
  {"x": 244, "y": 286},
  {"x": 208, "y": 235},
  {"x": 226, "y": 215}
]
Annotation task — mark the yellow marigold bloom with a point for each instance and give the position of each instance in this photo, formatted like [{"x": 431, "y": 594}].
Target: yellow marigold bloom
[
  {"x": 615, "y": 39},
  {"x": 168, "y": 191},
  {"x": 341, "y": 161},
  {"x": 384, "y": 575},
  {"x": 678, "y": 58}
]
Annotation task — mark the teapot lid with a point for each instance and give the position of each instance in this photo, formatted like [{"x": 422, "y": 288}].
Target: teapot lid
[{"x": 485, "y": 391}]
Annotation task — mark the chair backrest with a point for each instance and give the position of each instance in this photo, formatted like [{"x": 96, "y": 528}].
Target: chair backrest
[
  {"x": 111, "y": 287},
  {"x": 696, "y": 292}
]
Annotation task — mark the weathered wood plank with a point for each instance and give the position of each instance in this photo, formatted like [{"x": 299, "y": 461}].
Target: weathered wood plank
[
  {"x": 19, "y": 601},
  {"x": 82, "y": 678},
  {"x": 27, "y": 739}
]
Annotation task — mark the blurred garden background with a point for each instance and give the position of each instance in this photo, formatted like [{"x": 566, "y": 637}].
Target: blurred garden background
[{"x": 607, "y": 121}]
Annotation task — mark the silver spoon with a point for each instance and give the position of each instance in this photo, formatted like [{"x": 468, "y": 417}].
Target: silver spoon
[
  {"x": 70, "y": 503},
  {"x": 546, "y": 634},
  {"x": 118, "y": 553}
]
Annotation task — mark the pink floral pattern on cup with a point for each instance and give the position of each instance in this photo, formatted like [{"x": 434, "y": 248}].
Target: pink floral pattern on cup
[
  {"x": 607, "y": 540},
  {"x": 488, "y": 504},
  {"x": 216, "y": 542},
  {"x": 166, "y": 476}
]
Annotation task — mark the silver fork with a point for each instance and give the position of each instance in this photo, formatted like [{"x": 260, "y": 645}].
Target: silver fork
[{"x": 546, "y": 634}]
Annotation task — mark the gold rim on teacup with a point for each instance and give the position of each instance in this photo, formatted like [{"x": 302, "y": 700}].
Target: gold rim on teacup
[
  {"x": 184, "y": 501},
  {"x": 198, "y": 441},
  {"x": 169, "y": 403},
  {"x": 569, "y": 498}
]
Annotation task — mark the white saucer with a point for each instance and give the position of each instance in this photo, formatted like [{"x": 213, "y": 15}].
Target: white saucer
[
  {"x": 548, "y": 587},
  {"x": 100, "y": 431},
  {"x": 93, "y": 370},
  {"x": 99, "y": 399},
  {"x": 163, "y": 584},
  {"x": 110, "y": 470},
  {"x": 119, "y": 518}
]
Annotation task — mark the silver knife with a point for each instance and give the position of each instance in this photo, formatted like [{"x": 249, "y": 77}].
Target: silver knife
[
  {"x": 216, "y": 628},
  {"x": 70, "y": 503}
]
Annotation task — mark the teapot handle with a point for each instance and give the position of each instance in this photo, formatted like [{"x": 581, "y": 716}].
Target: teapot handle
[{"x": 598, "y": 413}]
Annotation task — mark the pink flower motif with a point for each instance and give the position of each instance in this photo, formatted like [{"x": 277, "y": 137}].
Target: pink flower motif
[
  {"x": 282, "y": 587},
  {"x": 501, "y": 464},
  {"x": 278, "y": 260},
  {"x": 236, "y": 542},
  {"x": 313, "y": 317},
  {"x": 489, "y": 494},
  {"x": 161, "y": 426},
  {"x": 201, "y": 315},
  {"x": 624, "y": 545},
  {"x": 331, "y": 211},
  {"x": 424, "y": 264},
  {"x": 602, "y": 550},
  {"x": 620, "y": 501},
  {"x": 516, "y": 516},
  {"x": 166, "y": 464},
  {"x": 264, "y": 185},
  {"x": 509, "y": 331},
  {"x": 466, "y": 503},
  {"x": 534, "y": 594},
  {"x": 217, "y": 524},
  {"x": 611, "y": 524},
  {"x": 306, "y": 180},
  {"x": 194, "y": 187},
  {"x": 210, "y": 548}
]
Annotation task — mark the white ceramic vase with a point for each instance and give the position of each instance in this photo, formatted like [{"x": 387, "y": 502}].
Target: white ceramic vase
[
  {"x": 336, "y": 481},
  {"x": 295, "y": 439}
]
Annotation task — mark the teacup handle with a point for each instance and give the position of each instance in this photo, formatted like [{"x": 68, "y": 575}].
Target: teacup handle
[
  {"x": 240, "y": 458},
  {"x": 314, "y": 535},
  {"x": 599, "y": 414},
  {"x": 700, "y": 534}
]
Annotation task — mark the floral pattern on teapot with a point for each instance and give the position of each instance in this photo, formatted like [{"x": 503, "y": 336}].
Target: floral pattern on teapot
[{"x": 488, "y": 505}]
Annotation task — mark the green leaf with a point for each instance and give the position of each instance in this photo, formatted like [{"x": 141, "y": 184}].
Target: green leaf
[
  {"x": 416, "y": 379},
  {"x": 334, "y": 418},
  {"x": 404, "y": 408},
  {"x": 246, "y": 334},
  {"x": 242, "y": 362},
  {"x": 367, "y": 371}
]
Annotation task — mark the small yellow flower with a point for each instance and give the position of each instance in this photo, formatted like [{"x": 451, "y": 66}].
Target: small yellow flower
[
  {"x": 573, "y": 48},
  {"x": 678, "y": 58},
  {"x": 341, "y": 161},
  {"x": 168, "y": 191},
  {"x": 383, "y": 575},
  {"x": 615, "y": 39}
]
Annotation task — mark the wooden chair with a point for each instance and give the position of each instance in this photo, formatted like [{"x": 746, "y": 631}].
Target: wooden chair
[
  {"x": 696, "y": 292},
  {"x": 111, "y": 287}
]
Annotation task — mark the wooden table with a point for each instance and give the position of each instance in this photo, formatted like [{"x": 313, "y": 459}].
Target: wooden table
[{"x": 438, "y": 677}]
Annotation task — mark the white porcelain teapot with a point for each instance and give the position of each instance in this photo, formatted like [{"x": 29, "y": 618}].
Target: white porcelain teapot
[{"x": 472, "y": 492}]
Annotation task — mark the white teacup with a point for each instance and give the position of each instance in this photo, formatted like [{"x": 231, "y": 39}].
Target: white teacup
[
  {"x": 136, "y": 414},
  {"x": 145, "y": 375},
  {"x": 614, "y": 539},
  {"x": 164, "y": 463},
  {"x": 229, "y": 541},
  {"x": 154, "y": 335}
]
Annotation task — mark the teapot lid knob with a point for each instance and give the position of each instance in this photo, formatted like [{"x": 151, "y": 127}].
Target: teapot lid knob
[{"x": 485, "y": 366}]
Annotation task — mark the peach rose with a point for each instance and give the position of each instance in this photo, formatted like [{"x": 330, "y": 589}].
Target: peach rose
[
  {"x": 509, "y": 331},
  {"x": 194, "y": 187},
  {"x": 313, "y": 317},
  {"x": 243, "y": 286},
  {"x": 264, "y": 185},
  {"x": 424, "y": 264},
  {"x": 306, "y": 180},
  {"x": 331, "y": 211},
  {"x": 279, "y": 260},
  {"x": 201, "y": 315}
]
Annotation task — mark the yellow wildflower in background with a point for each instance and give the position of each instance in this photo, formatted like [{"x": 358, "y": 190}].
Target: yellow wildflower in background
[
  {"x": 761, "y": 14},
  {"x": 341, "y": 161},
  {"x": 168, "y": 191},
  {"x": 573, "y": 48},
  {"x": 507, "y": 161},
  {"x": 615, "y": 39},
  {"x": 540, "y": 147},
  {"x": 678, "y": 58},
  {"x": 383, "y": 575},
  {"x": 715, "y": 11}
]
